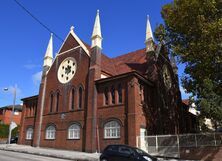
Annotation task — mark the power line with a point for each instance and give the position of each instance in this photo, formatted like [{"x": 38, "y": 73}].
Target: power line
[
  {"x": 36, "y": 19},
  {"x": 48, "y": 29}
]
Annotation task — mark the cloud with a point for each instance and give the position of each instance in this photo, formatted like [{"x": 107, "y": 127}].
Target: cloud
[
  {"x": 36, "y": 78},
  {"x": 184, "y": 93},
  {"x": 31, "y": 66}
]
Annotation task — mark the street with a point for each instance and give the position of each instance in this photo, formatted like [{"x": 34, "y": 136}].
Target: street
[{"x": 12, "y": 156}]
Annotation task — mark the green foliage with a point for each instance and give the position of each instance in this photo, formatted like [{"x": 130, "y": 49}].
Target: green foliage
[
  {"x": 4, "y": 129},
  {"x": 194, "y": 30},
  {"x": 210, "y": 103}
]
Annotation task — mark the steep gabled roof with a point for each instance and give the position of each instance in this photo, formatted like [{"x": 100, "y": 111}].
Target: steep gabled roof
[
  {"x": 133, "y": 61},
  {"x": 71, "y": 41}
]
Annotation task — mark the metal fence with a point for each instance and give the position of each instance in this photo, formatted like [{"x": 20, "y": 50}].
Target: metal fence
[{"x": 169, "y": 145}]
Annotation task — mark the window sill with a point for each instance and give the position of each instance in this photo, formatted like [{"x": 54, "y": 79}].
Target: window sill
[
  {"x": 50, "y": 139},
  {"x": 111, "y": 105},
  {"x": 55, "y": 113},
  {"x": 74, "y": 139},
  {"x": 28, "y": 139},
  {"x": 111, "y": 138},
  {"x": 76, "y": 110}
]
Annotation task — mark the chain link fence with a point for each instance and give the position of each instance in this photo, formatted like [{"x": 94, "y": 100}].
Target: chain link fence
[{"x": 169, "y": 145}]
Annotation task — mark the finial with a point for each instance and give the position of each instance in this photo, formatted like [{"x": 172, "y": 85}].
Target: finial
[
  {"x": 96, "y": 35},
  {"x": 49, "y": 53},
  {"x": 149, "y": 36},
  {"x": 51, "y": 34},
  {"x": 71, "y": 28}
]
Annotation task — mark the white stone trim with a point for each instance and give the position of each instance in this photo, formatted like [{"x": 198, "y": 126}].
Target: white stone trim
[
  {"x": 68, "y": 50},
  {"x": 103, "y": 76},
  {"x": 77, "y": 39}
]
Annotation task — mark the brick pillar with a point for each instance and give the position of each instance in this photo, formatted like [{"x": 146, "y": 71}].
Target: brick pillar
[
  {"x": 22, "y": 134},
  {"x": 91, "y": 118},
  {"x": 39, "y": 112},
  {"x": 133, "y": 103}
]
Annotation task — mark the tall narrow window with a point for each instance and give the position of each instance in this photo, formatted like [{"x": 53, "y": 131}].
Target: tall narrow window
[
  {"x": 141, "y": 93},
  {"x": 27, "y": 110},
  {"x": 80, "y": 97},
  {"x": 72, "y": 99},
  {"x": 57, "y": 102},
  {"x": 120, "y": 94},
  {"x": 30, "y": 111},
  {"x": 113, "y": 94},
  {"x": 35, "y": 108},
  {"x": 106, "y": 97},
  {"x": 51, "y": 103}
]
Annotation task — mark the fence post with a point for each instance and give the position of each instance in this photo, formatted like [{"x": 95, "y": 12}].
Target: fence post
[
  {"x": 178, "y": 143},
  {"x": 215, "y": 141},
  {"x": 156, "y": 144},
  {"x": 146, "y": 140},
  {"x": 195, "y": 140}
]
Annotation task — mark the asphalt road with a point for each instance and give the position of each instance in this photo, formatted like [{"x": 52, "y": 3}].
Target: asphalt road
[{"x": 14, "y": 156}]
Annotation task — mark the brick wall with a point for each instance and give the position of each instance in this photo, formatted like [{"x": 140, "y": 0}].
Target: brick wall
[{"x": 6, "y": 115}]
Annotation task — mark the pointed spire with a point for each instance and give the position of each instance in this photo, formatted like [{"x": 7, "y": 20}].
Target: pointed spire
[
  {"x": 149, "y": 36},
  {"x": 96, "y": 35},
  {"x": 49, "y": 54},
  {"x": 149, "y": 33}
]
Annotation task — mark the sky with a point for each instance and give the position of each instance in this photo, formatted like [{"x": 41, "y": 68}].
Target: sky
[{"x": 23, "y": 41}]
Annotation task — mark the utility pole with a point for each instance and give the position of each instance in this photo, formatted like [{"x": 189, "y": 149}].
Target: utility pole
[{"x": 12, "y": 113}]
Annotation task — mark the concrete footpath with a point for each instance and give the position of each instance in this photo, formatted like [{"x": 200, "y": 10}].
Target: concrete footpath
[{"x": 62, "y": 154}]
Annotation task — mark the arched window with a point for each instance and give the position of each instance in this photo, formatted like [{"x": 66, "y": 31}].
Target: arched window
[
  {"x": 113, "y": 94},
  {"x": 30, "y": 111},
  {"x": 141, "y": 93},
  {"x": 106, "y": 97},
  {"x": 80, "y": 97},
  {"x": 72, "y": 99},
  {"x": 50, "y": 132},
  {"x": 120, "y": 94},
  {"x": 74, "y": 131},
  {"x": 29, "y": 133},
  {"x": 51, "y": 102},
  {"x": 112, "y": 130},
  {"x": 27, "y": 110},
  {"x": 57, "y": 102}
]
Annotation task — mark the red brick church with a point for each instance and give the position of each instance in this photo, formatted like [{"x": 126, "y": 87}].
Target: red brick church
[{"x": 87, "y": 100}]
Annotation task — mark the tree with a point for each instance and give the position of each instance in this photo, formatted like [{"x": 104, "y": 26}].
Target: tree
[{"x": 193, "y": 30}]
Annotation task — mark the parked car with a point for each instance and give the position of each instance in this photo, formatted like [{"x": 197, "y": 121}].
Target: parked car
[
  {"x": 13, "y": 140},
  {"x": 125, "y": 153}
]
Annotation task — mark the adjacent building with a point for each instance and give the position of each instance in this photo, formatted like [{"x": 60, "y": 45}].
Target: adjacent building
[
  {"x": 6, "y": 114},
  {"x": 88, "y": 100}
]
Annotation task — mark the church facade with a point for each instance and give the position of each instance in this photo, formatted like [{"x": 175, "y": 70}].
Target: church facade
[{"x": 87, "y": 100}]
